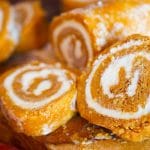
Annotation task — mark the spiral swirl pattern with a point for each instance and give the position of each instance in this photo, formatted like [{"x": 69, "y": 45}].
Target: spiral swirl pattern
[
  {"x": 39, "y": 93},
  {"x": 114, "y": 93},
  {"x": 120, "y": 67},
  {"x": 74, "y": 49},
  {"x": 30, "y": 74}
]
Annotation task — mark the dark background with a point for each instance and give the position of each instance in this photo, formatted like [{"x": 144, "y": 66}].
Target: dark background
[{"x": 52, "y": 7}]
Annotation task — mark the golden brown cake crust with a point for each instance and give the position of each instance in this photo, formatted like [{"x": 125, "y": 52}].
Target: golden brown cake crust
[{"x": 77, "y": 131}]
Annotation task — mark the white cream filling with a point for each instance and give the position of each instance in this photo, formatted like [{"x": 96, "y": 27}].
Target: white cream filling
[
  {"x": 27, "y": 79},
  {"x": 78, "y": 49},
  {"x": 1, "y": 20},
  {"x": 127, "y": 45},
  {"x": 13, "y": 28},
  {"x": 44, "y": 85},
  {"x": 66, "y": 42},
  {"x": 47, "y": 129},
  {"x": 66, "y": 47},
  {"x": 134, "y": 82},
  {"x": 73, "y": 102},
  {"x": 126, "y": 63}
]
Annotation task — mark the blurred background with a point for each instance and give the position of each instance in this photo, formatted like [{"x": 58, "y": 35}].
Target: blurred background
[{"x": 54, "y": 7}]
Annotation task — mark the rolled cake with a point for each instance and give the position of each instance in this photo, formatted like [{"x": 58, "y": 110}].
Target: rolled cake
[
  {"x": 37, "y": 98},
  {"x": 34, "y": 25},
  {"x": 114, "y": 93},
  {"x": 78, "y": 35},
  {"x": 9, "y": 30},
  {"x": 77, "y": 130}
]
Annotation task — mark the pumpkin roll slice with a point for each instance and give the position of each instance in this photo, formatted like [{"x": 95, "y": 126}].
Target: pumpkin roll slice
[
  {"x": 71, "y": 4},
  {"x": 37, "y": 98},
  {"x": 115, "y": 93},
  {"x": 9, "y": 30},
  {"x": 78, "y": 35},
  {"x": 34, "y": 25}
]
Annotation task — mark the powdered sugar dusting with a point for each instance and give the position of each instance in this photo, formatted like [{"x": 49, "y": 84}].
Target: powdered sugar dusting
[
  {"x": 140, "y": 14},
  {"x": 127, "y": 45},
  {"x": 47, "y": 129},
  {"x": 102, "y": 34}
]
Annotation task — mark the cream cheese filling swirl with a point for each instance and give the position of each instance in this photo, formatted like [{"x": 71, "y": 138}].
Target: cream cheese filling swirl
[
  {"x": 26, "y": 77},
  {"x": 110, "y": 77},
  {"x": 76, "y": 50}
]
